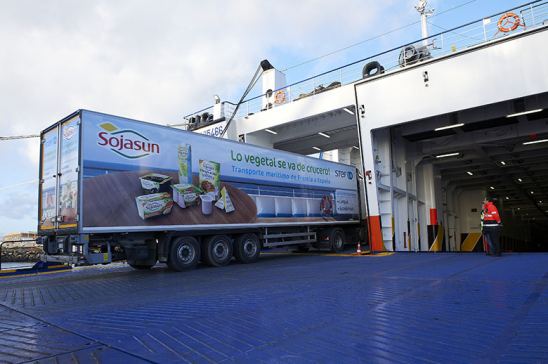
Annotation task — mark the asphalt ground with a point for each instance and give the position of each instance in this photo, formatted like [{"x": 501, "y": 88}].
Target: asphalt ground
[{"x": 288, "y": 308}]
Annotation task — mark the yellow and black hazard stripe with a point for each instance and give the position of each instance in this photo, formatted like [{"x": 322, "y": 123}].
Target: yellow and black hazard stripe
[
  {"x": 435, "y": 238},
  {"x": 471, "y": 242}
]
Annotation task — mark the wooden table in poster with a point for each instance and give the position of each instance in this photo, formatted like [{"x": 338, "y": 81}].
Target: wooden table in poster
[{"x": 109, "y": 200}]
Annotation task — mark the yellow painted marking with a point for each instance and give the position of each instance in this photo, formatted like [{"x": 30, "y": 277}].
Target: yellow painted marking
[
  {"x": 33, "y": 274},
  {"x": 66, "y": 226},
  {"x": 436, "y": 246},
  {"x": 105, "y": 257},
  {"x": 383, "y": 254},
  {"x": 393, "y": 228},
  {"x": 8, "y": 270},
  {"x": 470, "y": 242}
]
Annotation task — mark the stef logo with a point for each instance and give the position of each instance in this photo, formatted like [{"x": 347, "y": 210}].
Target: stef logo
[{"x": 126, "y": 143}]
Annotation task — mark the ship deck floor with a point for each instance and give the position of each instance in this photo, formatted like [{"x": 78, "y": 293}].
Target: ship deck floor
[{"x": 405, "y": 307}]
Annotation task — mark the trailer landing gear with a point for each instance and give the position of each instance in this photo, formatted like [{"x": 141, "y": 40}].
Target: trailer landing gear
[{"x": 140, "y": 266}]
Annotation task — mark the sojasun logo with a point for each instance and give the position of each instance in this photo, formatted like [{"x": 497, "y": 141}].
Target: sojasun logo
[{"x": 126, "y": 142}]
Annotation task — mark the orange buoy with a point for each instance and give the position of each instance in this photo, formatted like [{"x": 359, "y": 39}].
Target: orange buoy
[{"x": 509, "y": 22}]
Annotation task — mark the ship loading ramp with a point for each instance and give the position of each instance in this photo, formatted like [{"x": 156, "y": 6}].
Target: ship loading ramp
[{"x": 286, "y": 308}]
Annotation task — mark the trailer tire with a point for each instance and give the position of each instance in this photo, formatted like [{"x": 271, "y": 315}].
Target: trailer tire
[
  {"x": 336, "y": 239},
  {"x": 368, "y": 69},
  {"x": 217, "y": 250},
  {"x": 247, "y": 248},
  {"x": 184, "y": 253}
]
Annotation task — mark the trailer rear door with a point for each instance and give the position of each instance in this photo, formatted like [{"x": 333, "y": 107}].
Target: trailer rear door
[{"x": 58, "y": 197}]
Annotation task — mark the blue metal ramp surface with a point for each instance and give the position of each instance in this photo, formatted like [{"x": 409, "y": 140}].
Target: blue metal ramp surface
[{"x": 441, "y": 308}]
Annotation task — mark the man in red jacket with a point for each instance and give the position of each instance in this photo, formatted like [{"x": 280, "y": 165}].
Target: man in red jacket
[{"x": 491, "y": 227}]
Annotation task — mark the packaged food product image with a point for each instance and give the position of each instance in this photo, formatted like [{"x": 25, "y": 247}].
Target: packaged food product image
[
  {"x": 154, "y": 183},
  {"x": 224, "y": 202},
  {"x": 209, "y": 177},
  {"x": 185, "y": 194},
  {"x": 155, "y": 204},
  {"x": 184, "y": 155}
]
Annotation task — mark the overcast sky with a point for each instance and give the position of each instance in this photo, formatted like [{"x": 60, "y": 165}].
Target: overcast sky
[{"x": 158, "y": 60}]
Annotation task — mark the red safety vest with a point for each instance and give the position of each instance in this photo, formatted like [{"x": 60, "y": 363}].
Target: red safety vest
[{"x": 490, "y": 214}]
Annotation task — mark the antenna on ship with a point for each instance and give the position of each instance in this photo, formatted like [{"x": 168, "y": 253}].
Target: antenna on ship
[{"x": 425, "y": 12}]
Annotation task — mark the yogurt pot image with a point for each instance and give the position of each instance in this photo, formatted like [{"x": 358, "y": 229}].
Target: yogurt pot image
[{"x": 207, "y": 204}]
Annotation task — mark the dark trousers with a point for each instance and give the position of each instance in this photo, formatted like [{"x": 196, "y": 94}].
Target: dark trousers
[{"x": 492, "y": 235}]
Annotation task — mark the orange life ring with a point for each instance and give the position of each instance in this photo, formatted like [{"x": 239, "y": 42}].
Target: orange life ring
[
  {"x": 509, "y": 22},
  {"x": 279, "y": 97}
]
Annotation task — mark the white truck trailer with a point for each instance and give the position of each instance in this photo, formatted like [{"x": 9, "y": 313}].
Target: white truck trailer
[{"x": 115, "y": 188}]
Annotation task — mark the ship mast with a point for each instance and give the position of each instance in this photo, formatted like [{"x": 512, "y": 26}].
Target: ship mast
[{"x": 425, "y": 13}]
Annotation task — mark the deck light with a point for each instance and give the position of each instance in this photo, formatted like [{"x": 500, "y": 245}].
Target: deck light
[
  {"x": 520, "y": 180},
  {"x": 536, "y": 141},
  {"x": 447, "y": 155},
  {"x": 449, "y": 127},
  {"x": 348, "y": 111},
  {"x": 470, "y": 173},
  {"x": 271, "y": 131},
  {"x": 324, "y": 135},
  {"x": 507, "y": 197},
  {"x": 532, "y": 192},
  {"x": 492, "y": 187},
  {"x": 503, "y": 163},
  {"x": 355, "y": 147},
  {"x": 523, "y": 113},
  {"x": 316, "y": 148}
]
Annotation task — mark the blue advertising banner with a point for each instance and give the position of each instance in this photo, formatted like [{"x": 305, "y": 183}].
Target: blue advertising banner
[{"x": 142, "y": 174}]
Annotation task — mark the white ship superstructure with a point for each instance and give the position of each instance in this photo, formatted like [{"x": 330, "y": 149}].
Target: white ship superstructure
[{"x": 433, "y": 126}]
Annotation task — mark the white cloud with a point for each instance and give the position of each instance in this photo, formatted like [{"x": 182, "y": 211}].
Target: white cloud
[
  {"x": 154, "y": 60},
  {"x": 19, "y": 204}
]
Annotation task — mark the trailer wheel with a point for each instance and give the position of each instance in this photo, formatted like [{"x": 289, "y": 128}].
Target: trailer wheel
[
  {"x": 247, "y": 248},
  {"x": 336, "y": 238},
  {"x": 184, "y": 253},
  {"x": 217, "y": 250}
]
